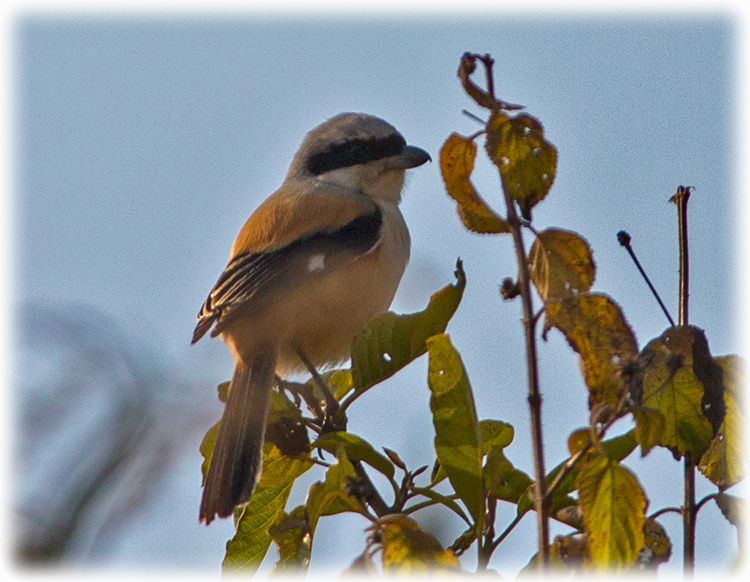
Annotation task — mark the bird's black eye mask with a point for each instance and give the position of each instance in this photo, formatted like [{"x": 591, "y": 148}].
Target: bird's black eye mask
[{"x": 355, "y": 151}]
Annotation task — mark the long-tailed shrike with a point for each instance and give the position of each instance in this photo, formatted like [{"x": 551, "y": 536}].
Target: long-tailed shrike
[{"x": 312, "y": 265}]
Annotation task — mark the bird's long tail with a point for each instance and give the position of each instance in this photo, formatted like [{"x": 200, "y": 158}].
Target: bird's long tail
[{"x": 238, "y": 452}]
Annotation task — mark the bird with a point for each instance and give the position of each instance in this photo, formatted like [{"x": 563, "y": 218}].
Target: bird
[{"x": 312, "y": 265}]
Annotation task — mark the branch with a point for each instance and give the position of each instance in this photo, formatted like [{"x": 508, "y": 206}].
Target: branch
[{"x": 534, "y": 398}]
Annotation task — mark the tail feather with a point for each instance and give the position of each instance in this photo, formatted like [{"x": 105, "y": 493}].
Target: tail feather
[{"x": 236, "y": 460}]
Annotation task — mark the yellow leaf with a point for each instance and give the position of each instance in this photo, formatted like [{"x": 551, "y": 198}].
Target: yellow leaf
[
  {"x": 406, "y": 548},
  {"x": 526, "y": 160},
  {"x": 725, "y": 461},
  {"x": 456, "y": 164},
  {"x": 561, "y": 264},
  {"x": 614, "y": 513},
  {"x": 596, "y": 329}
]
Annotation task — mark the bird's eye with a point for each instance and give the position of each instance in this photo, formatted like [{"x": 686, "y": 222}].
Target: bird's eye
[{"x": 357, "y": 152}]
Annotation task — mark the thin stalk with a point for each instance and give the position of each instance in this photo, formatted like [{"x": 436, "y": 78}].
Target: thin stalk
[
  {"x": 535, "y": 397},
  {"x": 624, "y": 239},
  {"x": 689, "y": 507},
  {"x": 485, "y": 540}
]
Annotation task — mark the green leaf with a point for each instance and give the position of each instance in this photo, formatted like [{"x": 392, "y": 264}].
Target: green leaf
[
  {"x": 248, "y": 547},
  {"x": 408, "y": 549},
  {"x": 331, "y": 496},
  {"x": 671, "y": 386},
  {"x": 619, "y": 447},
  {"x": 391, "y": 341},
  {"x": 207, "y": 449},
  {"x": 561, "y": 264},
  {"x": 395, "y": 459},
  {"x": 458, "y": 442},
  {"x": 357, "y": 449},
  {"x": 292, "y": 536},
  {"x": 649, "y": 428},
  {"x": 596, "y": 329},
  {"x": 614, "y": 513},
  {"x": 495, "y": 433},
  {"x": 725, "y": 461},
  {"x": 502, "y": 479},
  {"x": 526, "y": 160},
  {"x": 456, "y": 165}
]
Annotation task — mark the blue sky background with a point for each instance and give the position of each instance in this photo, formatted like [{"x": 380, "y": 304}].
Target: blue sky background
[{"x": 142, "y": 143}]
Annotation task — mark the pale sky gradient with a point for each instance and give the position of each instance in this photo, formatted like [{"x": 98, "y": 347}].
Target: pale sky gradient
[{"x": 143, "y": 142}]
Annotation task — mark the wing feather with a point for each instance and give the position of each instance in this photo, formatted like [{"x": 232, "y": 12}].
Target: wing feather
[{"x": 250, "y": 276}]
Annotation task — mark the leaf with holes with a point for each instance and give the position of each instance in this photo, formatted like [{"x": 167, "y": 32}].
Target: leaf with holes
[
  {"x": 596, "y": 329},
  {"x": 456, "y": 165},
  {"x": 561, "y": 264},
  {"x": 458, "y": 440},
  {"x": 390, "y": 341},
  {"x": 675, "y": 364},
  {"x": 526, "y": 160},
  {"x": 657, "y": 548}
]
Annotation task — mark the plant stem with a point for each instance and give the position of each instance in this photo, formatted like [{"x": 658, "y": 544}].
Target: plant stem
[
  {"x": 689, "y": 507},
  {"x": 535, "y": 397},
  {"x": 507, "y": 531},
  {"x": 485, "y": 540},
  {"x": 681, "y": 200}
]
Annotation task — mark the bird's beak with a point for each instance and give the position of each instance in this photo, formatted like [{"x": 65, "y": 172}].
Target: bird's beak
[{"x": 410, "y": 157}]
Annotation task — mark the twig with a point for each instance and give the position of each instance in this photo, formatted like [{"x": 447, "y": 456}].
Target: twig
[
  {"x": 332, "y": 405},
  {"x": 624, "y": 239},
  {"x": 681, "y": 200},
  {"x": 485, "y": 538},
  {"x": 665, "y": 510},
  {"x": 475, "y": 117},
  {"x": 689, "y": 508},
  {"x": 705, "y": 500},
  {"x": 507, "y": 531}
]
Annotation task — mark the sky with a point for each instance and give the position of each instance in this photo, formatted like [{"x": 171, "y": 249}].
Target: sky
[{"x": 142, "y": 141}]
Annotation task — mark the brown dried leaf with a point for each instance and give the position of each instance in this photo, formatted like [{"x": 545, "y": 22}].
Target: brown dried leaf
[
  {"x": 596, "y": 329},
  {"x": 456, "y": 165},
  {"x": 561, "y": 264}
]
